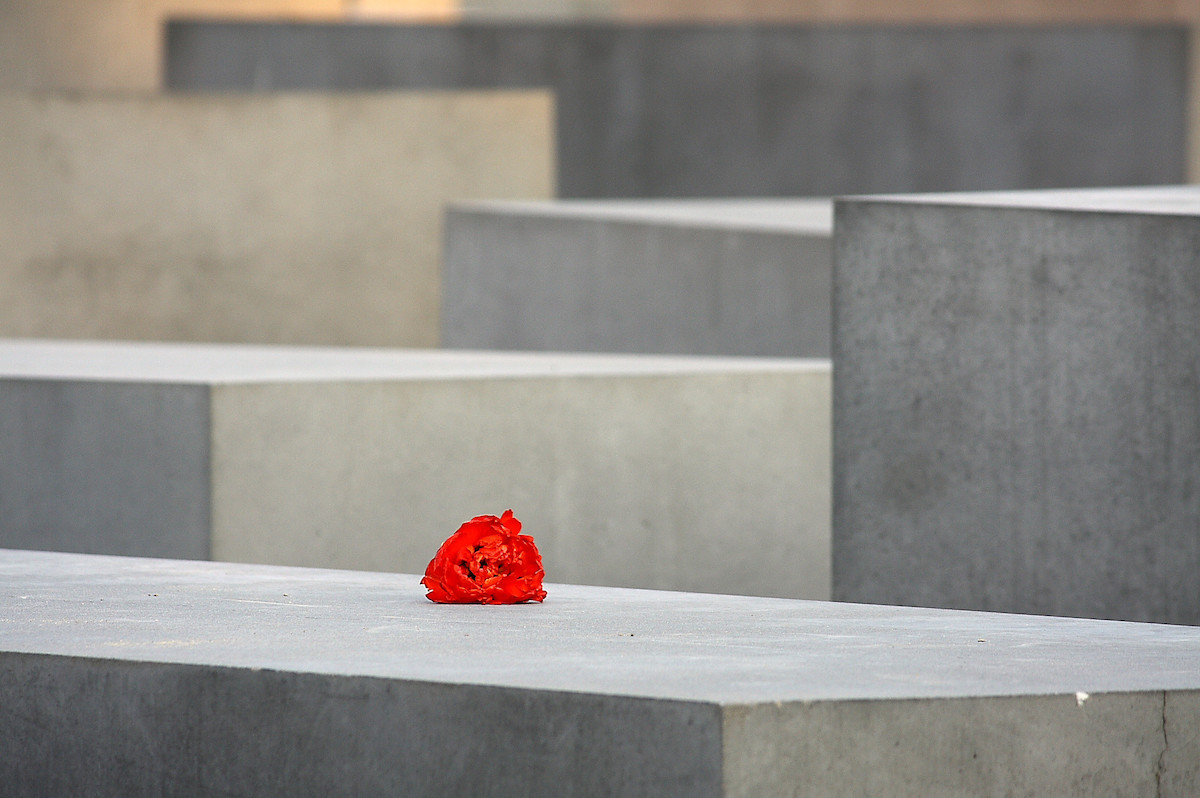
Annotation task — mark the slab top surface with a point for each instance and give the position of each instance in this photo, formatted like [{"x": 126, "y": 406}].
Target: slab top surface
[
  {"x": 1151, "y": 200},
  {"x": 238, "y": 363},
  {"x": 654, "y": 644},
  {"x": 804, "y": 216}
]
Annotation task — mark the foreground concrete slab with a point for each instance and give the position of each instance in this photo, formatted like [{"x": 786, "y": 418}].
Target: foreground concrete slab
[
  {"x": 1016, "y": 412},
  {"x": 284, "y": 219},
  {"x": 628, "y": 471},
  {"x": 713, "y": 277},
  {"x": 132, "y": 676},
  {"x": 711, "y": 110}
]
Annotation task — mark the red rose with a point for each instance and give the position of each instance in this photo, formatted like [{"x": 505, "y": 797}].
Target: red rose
[{"x": 487, "y": 561}]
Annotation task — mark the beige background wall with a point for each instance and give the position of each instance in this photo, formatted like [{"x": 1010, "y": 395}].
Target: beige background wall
[{"x": 281, "y": 218}]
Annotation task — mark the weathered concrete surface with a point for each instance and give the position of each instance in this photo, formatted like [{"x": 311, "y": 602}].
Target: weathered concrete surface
[
  {"x": 766, "y": 110},
  {"x": 282, "y": 219},
  {"x": 629, "y": 471},
  {"x": 129, "y": 676},
  {"x": 1017, "y": 403},
  {"x": 714, "y": 277}
]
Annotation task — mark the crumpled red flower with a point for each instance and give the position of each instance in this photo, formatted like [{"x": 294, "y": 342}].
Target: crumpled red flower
[{"x": 487, "y": 561}]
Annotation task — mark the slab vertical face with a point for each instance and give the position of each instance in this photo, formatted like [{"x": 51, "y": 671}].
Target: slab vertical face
[
  {"x": 709, "y": 482},
  {"x": 1017, "y": 403},
  {"x": 281, "y": 219},
  {"x": 745, "y": 110},
  {"x": 650, "y": 276},
  {"x": 104, "y": 468},
  {"x": 1028, "y": 745},
  {"x": 96, "y": 727}
]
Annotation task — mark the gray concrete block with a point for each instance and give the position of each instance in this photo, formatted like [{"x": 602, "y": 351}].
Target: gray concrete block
[
  {"x": 268, "y": 680},
  {"x": 716, "y": 277},
  {"x": 95, "y": 466},
  {"x": 628, "y": 470},
  {"x": 766, "y": 110},
  {"x": 1016, "y": 411},
  {"x": 290, "y": 219}
]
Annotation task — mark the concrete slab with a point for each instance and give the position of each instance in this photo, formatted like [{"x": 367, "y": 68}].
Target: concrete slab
[
  {"x": 714, "y": 277},
  {"x": 713, "y": 110},
  {"x": 1016, "y": 420},
  {"x": 207, "y": 677},
  {"x": 628, "y": 470},
  {"x": 282, "y": 219}
]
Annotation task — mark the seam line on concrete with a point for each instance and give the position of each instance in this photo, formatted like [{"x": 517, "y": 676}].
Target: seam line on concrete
[
  {"x": 1162, "y": 755},
  {"x": 723, "y": 769},
  {"x": 210, "y": 400}
]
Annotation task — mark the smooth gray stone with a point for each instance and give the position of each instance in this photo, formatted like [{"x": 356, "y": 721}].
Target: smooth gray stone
[
  {"x": 135, "y": 677},
  {"x": 765, "y": 110},
  {"x": 1017, "y": 402},
  {"x": 711, "y": 277},
  {"x": 105, "y": 467},
  {"x": 629, "y": 470}
]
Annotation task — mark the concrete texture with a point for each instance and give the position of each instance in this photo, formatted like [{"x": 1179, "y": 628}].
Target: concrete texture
[
  {"x": 1016, "y": 411},
  {"x": 116, "y": 45},
  {"x": 628, "y": 471},
  {"x": 762, "y": 110},
  {"x": 282, "y": 219},
  {"x": 1019, "y": 12},
  {"x": 104, "y": 467},
  {"x": 715, "y": 277},
  {"x": 130, "y": 676}
]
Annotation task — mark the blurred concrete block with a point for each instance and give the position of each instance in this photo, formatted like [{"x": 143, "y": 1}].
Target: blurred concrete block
[
  {"x": 1006, "y": 12},
  {"x": 719, "y": 110},
  {"x": 537, "y": 10},
  {"x": 628, "y": 471},
  {"x": 719, "y": 277},
  {"x": 1017, "y": 403},
  {"x": 254, "y": 680},
  {"x": 107, "y": 45},
  {"x": 282, "y": 219},
  {"x": 114, "y": 45}
]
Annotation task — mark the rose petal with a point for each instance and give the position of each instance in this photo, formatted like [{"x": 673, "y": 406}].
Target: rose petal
[{"x": 501, "y": 565}]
